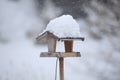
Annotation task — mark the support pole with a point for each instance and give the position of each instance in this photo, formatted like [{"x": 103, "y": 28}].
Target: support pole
[{"x": 61, "y": 65}]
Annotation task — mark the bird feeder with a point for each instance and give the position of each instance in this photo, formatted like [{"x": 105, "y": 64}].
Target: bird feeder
[
  {"x": 68, "y": 44},
  {"x": 65, "y": 29}
]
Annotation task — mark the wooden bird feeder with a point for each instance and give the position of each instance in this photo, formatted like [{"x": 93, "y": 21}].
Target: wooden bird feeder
[{"x": 68, "y": 43}]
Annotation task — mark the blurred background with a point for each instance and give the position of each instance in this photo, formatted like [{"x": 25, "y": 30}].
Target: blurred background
[{"x": 22, "y": 20}]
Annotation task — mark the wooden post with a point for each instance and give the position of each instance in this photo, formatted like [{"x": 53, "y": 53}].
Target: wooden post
[{"x": 61, "y": 65}]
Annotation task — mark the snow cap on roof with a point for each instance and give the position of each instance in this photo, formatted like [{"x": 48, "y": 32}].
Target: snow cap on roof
[{"x": 64, "y": 26}]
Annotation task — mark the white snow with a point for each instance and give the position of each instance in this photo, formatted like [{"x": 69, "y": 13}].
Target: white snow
[{"x": 64, "y": 26}]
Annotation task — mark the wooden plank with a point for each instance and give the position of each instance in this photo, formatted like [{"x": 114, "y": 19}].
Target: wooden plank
[
  {"x": 71, "y": 38},
  {"x": 41, "y": 36},
  {"x": 68, "y": 45},
  {"x": 51, "y": 43},
  {"x": 45, "y": 34},
  {"x": 73, "y": 54},
  {"x": 60, "y": 54}
]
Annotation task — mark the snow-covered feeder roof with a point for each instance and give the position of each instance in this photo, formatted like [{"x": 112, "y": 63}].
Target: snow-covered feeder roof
[{"x": 62, "y": 27}]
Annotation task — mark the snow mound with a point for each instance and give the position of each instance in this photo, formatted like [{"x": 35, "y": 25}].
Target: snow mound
[{"x": 64, "y": 26}]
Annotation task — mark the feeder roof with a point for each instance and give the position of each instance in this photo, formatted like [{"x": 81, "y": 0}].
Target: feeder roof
[{"x": 62, "y": 27}]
